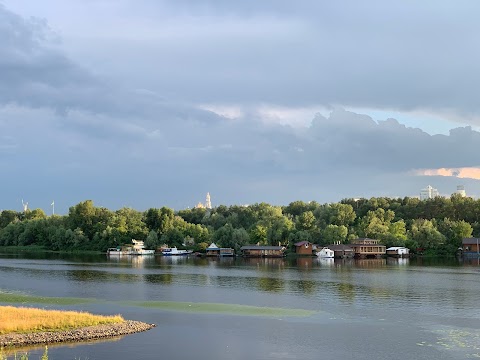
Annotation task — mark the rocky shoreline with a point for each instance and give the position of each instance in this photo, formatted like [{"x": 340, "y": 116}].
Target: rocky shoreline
[{"x": 74, "y": 335}]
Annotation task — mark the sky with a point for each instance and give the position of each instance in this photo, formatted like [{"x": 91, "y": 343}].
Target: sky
[{"x": 152, "y": 103}]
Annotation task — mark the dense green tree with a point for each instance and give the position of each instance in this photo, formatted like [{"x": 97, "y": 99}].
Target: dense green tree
[
  {"x": 455, "y": 231},
  {"x": 306, "y": 221},
  {"x": 334, "y": 234},
  {"x": 82, "y": 215},
  {"x": 172, "y": 237},
  {"x": 35, "y": 214},
  {"x": 151, "y": 242},
  {"x": 335, "y": 214},
  {"x": 298, "y": 236},
  {"x": 193, "y": 216},
  {"x": 376, "y": 224},
  {"x": 258, "y": 234},
  {"x": 297, "y": 208},
  {"x": 160, "y": 220},
  {"x": 426, "y": 235},
  {"x": 8, "y": 217},
  {"x": 279, "y": 230},
  {"x": 223, "y": 236}
]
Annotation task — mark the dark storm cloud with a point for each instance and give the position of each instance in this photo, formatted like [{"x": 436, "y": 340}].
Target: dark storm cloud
[
  {"x": 84, "y": 136},
  {"x": 398, "y": 55}
]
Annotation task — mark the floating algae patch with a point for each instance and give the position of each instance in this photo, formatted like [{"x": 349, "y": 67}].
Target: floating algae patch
[
  {"x": 229, "y": 309},
  {"x": 460, "y": 340},
  {"x": 19, "y": 298}
]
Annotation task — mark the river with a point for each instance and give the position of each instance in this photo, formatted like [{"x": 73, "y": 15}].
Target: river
[{"x": 228, "y": 308}]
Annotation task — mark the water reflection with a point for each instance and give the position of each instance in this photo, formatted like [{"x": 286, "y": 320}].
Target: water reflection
[
  {"x": 472, "y": 261},
  {"x": 398, "y": 261},
  {"x": 327, "y": 262},
  {"x": 304, "y": 286},
  {"x": 366, "y": 294},
  {"x": 135, "y": 261},
  {"x": 304, "y": 263},
  {"x": 371, "y": 263},
  {"x": 266, "y": 263},
  {"x": 270, "y": 284},
  {"x": 33, "y": 350}
]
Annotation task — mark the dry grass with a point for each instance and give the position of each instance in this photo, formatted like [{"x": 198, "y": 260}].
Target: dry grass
[{"x": 24, "y": 320}]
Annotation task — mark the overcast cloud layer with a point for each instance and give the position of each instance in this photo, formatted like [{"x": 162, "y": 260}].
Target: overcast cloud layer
[{"x": 152, "y": 103}]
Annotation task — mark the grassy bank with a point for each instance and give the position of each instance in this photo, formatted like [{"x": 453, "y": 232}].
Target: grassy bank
[
  {"x": 41, "y": 249},
  {"x": 27, "y": 320}
]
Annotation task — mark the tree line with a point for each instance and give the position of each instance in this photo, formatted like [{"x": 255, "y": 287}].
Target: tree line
[{"x": 434, "y": 226}]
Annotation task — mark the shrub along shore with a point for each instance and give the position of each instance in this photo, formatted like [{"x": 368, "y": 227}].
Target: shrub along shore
[{"x": 27, "y": 326}]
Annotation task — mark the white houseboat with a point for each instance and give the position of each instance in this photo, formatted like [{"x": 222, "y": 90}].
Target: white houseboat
[
  {"x": 398, "y": 251},
  {"x": 137, "y": 248},
  {"x": 175, "y": 252}
]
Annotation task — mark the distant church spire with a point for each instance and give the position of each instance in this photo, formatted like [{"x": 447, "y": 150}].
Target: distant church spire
[{"x": 208, "y": 203}]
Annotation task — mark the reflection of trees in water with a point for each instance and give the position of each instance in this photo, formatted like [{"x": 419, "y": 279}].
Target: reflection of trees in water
[
  {"x": 159, "y": 278},
  {"x": 305, "y": 286},
  {"x": 473, "y": 261},
  {"x": 304, "y": 263},
  {"x": 100, "y": 276},
  {"x": 271, "y": 284},
  {"x": 346, "y": 291},
  {"x": 435, "y": 261},
  {"x": 266, "y": 263},
  {"x": 370, "y": 263}
]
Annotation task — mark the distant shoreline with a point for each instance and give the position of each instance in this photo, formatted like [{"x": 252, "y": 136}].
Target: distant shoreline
[{"x": 74, "y": 335}]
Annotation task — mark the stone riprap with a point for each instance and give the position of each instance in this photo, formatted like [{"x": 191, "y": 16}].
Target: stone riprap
[{"x": 74, "y": 335}]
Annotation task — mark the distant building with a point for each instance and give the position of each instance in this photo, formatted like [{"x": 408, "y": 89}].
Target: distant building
[
  {"x": 304, "y": 248},
  {"x": 428, "y": 193},
  {"x": 366, "y": 247},
  {"x": 207, "y": 205},
  {"x": 461, "y": 190},
  {"x": 199, "y": 206}
]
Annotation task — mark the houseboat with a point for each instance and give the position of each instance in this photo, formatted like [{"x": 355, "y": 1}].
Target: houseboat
[
  {"x": 342, "y": 251},
  {"x": 366, "y": 248},
  {"x": 136, "y": 248},
  {"x": 175, "y": 252},
  {"x": 212, "y": 250},
  {"x": 304, "y": 248},
  {"x": 325, "y": 253},
  {"x": 470, "y": 247},
  {"x": 263, "y": 251},
  {"x": 398, "y": 251}
]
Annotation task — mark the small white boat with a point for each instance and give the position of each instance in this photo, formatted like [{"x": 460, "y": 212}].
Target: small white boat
[
  {"x": 325, "y": 253},
  {"x": 138, "y": 248},
  {"x": 175, "y": 252}
]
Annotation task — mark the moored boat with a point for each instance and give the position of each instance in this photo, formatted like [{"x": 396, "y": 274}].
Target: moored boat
[
  {"x": 325, "y": 253},
  {"x": 175, "y": 252},
  {"x": 138, "y": 248}
]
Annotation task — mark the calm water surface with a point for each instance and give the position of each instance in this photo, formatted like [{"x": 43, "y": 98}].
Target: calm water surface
[{"x": 365, "y": 309}]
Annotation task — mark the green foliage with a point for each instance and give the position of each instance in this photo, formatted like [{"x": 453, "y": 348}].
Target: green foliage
[
  {"x": 160, "y": 220},
  {"x": 334, "y": 234},
  {"x": 306, "y": 221},
  {"x": 335, "y": 214},
  {"x": 426, "y": 235},
  {"x": 434, "y": 226}
]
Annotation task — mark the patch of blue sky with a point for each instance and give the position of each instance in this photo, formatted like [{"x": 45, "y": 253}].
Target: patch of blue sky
[{"x": 429, "y": 123}]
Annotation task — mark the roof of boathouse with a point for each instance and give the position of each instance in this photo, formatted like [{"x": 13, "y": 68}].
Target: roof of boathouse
[{"x": 261, "y": 247}]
